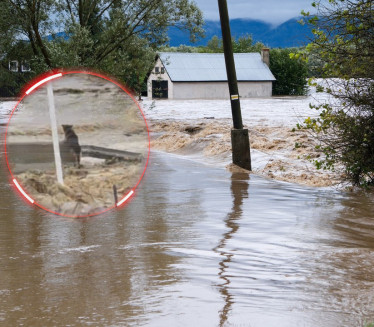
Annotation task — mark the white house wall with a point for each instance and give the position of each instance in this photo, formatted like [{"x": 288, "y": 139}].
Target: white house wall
[
  {"x": 255, "y": 89},
  {"x": 218, "y": 90},
  {"x": 157, "y": 77}
]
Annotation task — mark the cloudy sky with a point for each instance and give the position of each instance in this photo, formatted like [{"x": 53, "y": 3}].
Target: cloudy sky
[{"x": 272, "y": 11}]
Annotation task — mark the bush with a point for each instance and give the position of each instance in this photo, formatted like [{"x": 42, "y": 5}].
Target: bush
[
  {"x": 345, "y": 128},
  {"x": 290, "y": 71},
  {"x": 344, "y": 39}
]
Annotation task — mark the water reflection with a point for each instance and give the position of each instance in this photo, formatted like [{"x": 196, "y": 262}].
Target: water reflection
[
  {"x": 239, "y": 191},
  {"x": 356, "y": 219},
  {"x": 101, "y": 271},
  {"x": 348, "y": 258}
]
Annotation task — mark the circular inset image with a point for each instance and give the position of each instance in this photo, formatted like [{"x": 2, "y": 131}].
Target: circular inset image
[{"x": 77, "y": 144}]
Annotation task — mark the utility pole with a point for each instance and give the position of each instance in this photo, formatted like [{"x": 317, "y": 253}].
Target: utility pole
[{"x": 241, "y": 155}]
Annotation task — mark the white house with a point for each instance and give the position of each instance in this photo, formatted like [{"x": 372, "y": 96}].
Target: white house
[{"x": 203, "y": 76}]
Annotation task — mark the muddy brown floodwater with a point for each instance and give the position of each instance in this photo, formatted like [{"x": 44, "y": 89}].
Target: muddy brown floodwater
[{"x": 196, "y": 246}]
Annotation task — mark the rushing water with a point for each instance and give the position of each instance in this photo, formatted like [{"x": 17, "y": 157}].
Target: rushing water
[{"x": 196, "y": 246}]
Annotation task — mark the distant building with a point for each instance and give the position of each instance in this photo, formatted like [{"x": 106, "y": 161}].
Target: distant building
[
  {"x": 203, "y": 76},
  {"x": 19, "y": 67}
]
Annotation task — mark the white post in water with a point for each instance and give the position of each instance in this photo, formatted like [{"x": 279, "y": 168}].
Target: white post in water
[{"x": 56, "y": 144}]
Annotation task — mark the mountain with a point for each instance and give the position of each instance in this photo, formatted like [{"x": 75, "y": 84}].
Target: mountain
[
  {"x": 288, "y": 34},
  {"x": 59, "y": 35}
]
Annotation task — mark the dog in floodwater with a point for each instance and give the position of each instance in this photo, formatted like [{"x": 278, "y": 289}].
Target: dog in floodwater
[{"x": 72, "y": 143}]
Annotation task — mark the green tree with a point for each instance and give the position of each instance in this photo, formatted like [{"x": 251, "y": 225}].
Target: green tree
[
  {"x": 214, "y": 45},
  {"x": 121, "y": 23},
  {"x": 243, "y": 44},
  {"x": 344, "y": 38},
  {"x": 290, "y": 72},
  {"x": 136, "y": 63},
  {"x": 314, "y": 62},
  {"x": 27, "y": 19},
  {"x": 101, "y": 34},
  {"x": 7, "y": 33},
  {"x": 11, "y": 82}
]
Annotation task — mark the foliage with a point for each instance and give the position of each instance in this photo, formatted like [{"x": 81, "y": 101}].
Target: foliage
[
  {"x": 246, "y": 44},
  {"x": 32, "y": 22},
  {"x": 7, "y": 32},
  {"x": 215, "y": 45},
  {"x": 314, "y": 62},
  {"x": 110, "y": 35},
  {"x": 133, "y": 64},
  {"x": 11, "y": 82},
  {"x": 243, "y": 44},
  {"x": 344, "y": 38},
  {"x": 290, "y": 72}
]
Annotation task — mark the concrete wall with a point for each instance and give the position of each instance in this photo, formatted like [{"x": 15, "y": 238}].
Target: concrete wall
[
  {"x": 220, "y": 90},
  {"x": 156, "y": 77},
  {"x": 255, "y": 89}
]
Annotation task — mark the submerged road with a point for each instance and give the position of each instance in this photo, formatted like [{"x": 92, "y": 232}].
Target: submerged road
[{"x": 196, "y": 246}]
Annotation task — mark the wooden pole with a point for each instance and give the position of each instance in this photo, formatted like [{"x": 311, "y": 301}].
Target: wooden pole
[
  {"x": 115, "y": 193},
  {"x": 56, "y": 144}
]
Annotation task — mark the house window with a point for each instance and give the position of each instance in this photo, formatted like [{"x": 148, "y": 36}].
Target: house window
[
  {"x": 162, "y": 70},
  {"x": 157, "y": 70},
  {"x": 25, "y": 66},
  {"x": 13, "y": 66}
]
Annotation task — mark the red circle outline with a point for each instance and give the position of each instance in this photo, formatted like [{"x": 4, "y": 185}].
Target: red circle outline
[{"x": 87, "y": 72}]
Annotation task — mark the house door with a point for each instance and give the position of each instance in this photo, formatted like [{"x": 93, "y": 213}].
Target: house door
[{"x": 160, "y": 89}]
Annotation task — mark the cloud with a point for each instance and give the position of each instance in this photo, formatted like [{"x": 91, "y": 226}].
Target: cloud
[{"x": 271, "y": 11}]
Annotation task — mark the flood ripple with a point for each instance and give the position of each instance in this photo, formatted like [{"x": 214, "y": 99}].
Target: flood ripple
[{"x": 196, "y": 246}]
